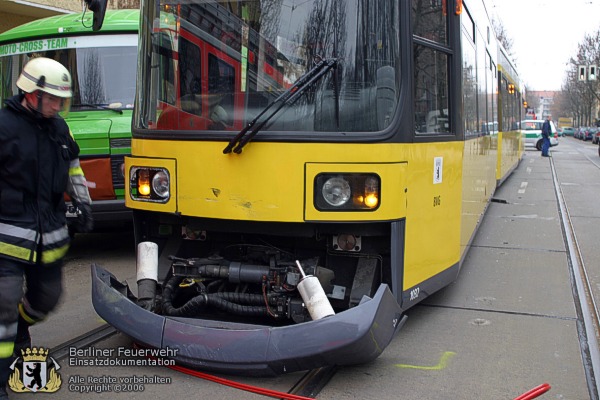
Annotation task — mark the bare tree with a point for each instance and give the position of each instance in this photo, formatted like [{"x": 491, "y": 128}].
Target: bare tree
[
  {"x": 503, "y": 37},
  {"x": 581, "y": 97}
]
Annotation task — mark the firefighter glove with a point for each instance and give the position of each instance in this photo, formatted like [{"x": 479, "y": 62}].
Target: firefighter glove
[{"x": 85, "y": 219}]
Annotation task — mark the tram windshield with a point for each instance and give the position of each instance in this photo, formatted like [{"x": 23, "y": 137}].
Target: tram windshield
[{"x": 216, "y": 66}]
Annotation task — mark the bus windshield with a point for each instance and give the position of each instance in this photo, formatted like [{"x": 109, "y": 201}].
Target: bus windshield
[
  {"x": 103, "y": 68},
  {"x": 215, "y": 66}
]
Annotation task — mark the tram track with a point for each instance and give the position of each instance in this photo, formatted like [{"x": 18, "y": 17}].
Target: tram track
[
  {"x": 588, "y": 316},
  {"x": 311, "y": 384},
  {"x": 87, "y": 339},
  {"x": 308, "y": 386}
]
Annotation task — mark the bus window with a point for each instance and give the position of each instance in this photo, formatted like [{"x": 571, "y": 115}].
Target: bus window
[{"x": 102, "y": 80}]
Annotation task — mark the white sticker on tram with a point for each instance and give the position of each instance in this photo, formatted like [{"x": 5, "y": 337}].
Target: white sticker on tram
[{"x": 438, "y": 167}]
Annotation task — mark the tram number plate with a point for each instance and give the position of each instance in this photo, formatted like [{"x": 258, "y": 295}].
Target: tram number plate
[{"x": 414, "y": 293}]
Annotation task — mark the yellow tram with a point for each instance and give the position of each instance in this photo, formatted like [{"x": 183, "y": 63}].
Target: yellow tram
[{"x": 303, "y": 172}]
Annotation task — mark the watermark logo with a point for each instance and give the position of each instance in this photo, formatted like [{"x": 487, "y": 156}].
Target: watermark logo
[{"x": 35, "y": 373}]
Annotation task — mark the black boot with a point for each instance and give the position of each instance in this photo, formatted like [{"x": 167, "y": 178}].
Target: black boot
[
  {"x": 23, "y": 340},
  {"x": 22, "y": 344},
  {"x": 4, "y": 374}
]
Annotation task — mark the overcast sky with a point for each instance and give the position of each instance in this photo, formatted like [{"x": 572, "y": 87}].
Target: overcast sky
[{"x": 545, "y": 34}]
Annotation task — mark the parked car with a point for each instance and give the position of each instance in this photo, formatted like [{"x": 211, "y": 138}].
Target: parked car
[
  {"x": 590, "y": 133},
  {"x": 531, "y": 131},
  {"x": 568, "y": 131},
  {"x": 595, "y": 135}
]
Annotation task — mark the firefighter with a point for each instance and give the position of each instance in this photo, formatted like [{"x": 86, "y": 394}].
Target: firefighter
[{"x": 38, "y": 164}]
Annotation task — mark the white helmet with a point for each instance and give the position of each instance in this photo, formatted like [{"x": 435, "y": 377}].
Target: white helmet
[{"x": 46, "y": 75}]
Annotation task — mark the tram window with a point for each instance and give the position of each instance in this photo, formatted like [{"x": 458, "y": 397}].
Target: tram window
[
  {"x": 190, "y": 87},
  {"x": 429, "y": 20},
  {"x": 431, "y": 91},
  {"x": 506, "y": 114},
  {"x": 491, "y": 91},
  {"x": 469, "y": 87},
  {"x": 360, "y": 94},
  {"x": 482, "y": 97},
  {"x": 166, "y": 89},
  {"x": 468, "y": 25}
]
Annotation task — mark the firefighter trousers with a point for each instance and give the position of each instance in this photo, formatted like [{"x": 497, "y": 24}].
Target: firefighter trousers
[{"x": 27, "y": 294}]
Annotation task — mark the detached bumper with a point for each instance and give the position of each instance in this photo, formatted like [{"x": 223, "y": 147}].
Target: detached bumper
[{"x": 354, "y": 336}]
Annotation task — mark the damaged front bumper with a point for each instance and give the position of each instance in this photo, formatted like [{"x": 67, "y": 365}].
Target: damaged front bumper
[{"x": 354, "y": 336}]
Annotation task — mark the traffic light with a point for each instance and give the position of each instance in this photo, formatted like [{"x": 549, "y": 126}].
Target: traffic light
[
  {"x": 524, "y": 104},
  {"x": 582, "y": 73}
]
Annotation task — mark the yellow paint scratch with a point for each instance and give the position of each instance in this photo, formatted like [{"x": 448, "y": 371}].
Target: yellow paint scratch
[{"x": 441, "y": 365}]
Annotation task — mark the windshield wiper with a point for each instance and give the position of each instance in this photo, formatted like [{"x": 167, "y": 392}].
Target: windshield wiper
[
  {"x": 116, "y": 109},
  {"x": 286, "y": 98}
]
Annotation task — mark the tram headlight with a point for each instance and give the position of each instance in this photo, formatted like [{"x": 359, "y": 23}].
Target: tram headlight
[
  {"x": 347, "y": 192},
  {"x": 160, "y": 184},
  {"x": 336, "y": 191},
  {"x": 150, "y": 184}
]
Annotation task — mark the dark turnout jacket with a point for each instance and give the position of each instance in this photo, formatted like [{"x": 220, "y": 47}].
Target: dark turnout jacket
[
  {"x": 546, "y": 129},
  {"x": 35, "y": 156}
]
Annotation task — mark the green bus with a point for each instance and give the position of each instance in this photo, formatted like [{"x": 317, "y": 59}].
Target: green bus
[{"x": 103, "y": 66}]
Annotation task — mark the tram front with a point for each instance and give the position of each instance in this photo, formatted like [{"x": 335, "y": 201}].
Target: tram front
[{"x": 268, "y": 183}]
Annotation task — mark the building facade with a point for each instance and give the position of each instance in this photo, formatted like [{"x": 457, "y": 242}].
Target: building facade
[{"x": 543, "y": 101}]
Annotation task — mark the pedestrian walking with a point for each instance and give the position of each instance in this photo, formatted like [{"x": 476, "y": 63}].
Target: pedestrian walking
[
  {"x": 546, "y": 133},
  {"x": 39, "y": 162}
]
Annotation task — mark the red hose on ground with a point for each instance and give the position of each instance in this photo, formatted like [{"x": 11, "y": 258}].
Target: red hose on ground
[{"x": 535, "y": 392}]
